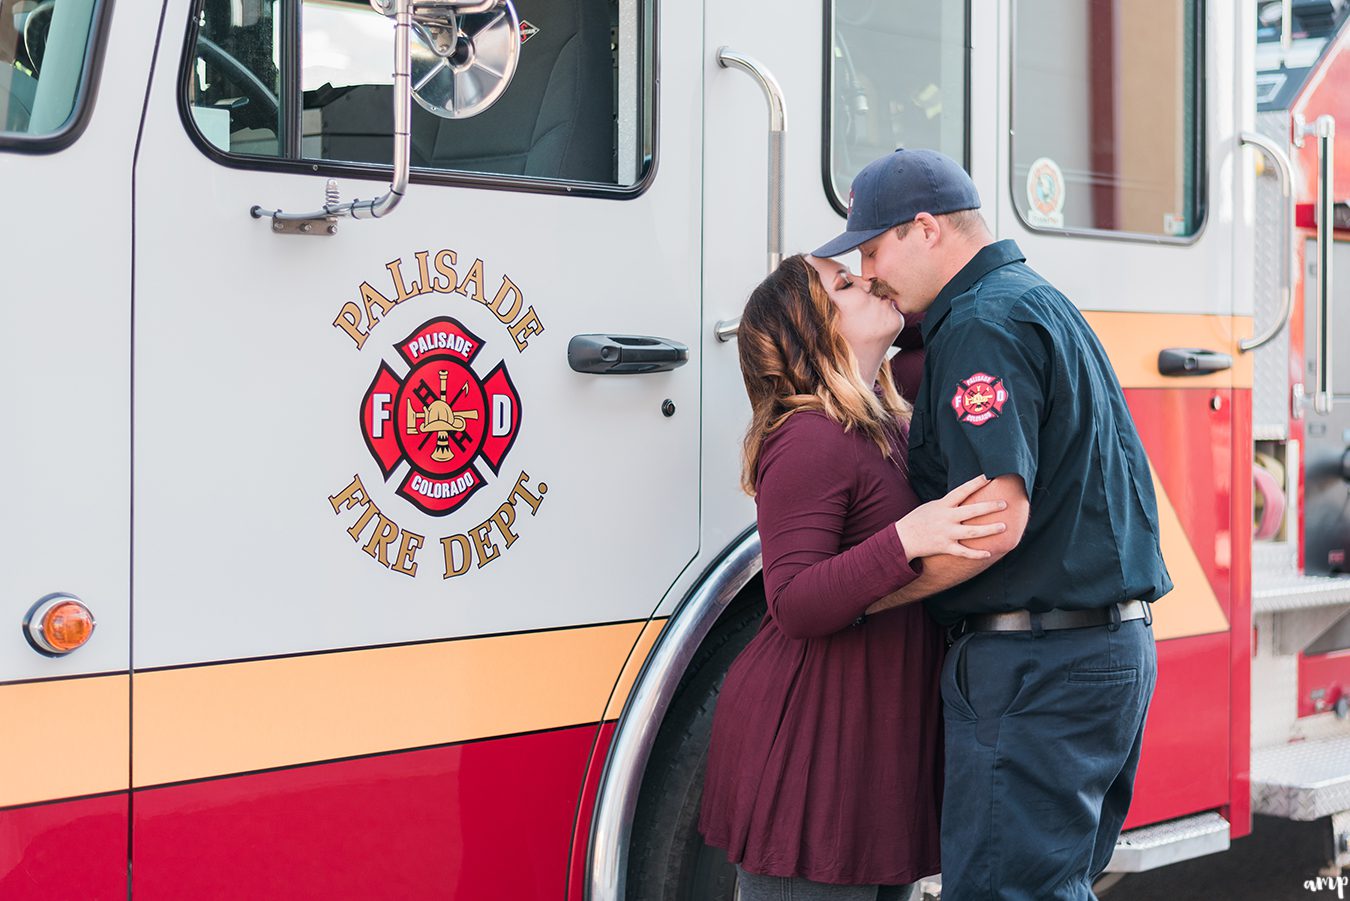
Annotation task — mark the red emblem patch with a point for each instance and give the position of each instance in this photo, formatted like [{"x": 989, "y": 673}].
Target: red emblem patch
[
  {"x": 527, "y": 31},
  {"x": 979, "y": 399},
  {"x": 440, "y": 418}
]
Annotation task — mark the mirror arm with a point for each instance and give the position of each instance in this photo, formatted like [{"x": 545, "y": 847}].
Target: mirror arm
[{"x": 324, "y": 221}]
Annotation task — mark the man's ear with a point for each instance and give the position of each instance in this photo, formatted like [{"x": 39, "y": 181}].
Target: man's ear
[{"x": 932, "y": 230}]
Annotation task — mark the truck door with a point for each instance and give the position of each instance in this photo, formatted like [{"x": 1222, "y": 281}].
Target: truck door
[
  {"x": 65, "y": 254},
  {"x": 391, "y": 548},
  {"x": 875, "y": 77},
  {"x": 1124, "y": 183}
]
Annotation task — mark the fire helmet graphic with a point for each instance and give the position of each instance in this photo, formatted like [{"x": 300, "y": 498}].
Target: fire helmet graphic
[
  {"x": 440, "y": 418},
  {"x": 979, "y": 399}
]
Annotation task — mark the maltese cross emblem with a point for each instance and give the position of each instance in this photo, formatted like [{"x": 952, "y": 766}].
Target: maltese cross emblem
[{"x": 440, "y": 419}]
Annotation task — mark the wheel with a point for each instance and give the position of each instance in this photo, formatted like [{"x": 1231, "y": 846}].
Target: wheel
[{"x": 667, "y": 858}]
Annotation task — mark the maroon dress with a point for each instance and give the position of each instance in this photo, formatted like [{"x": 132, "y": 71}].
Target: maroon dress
[{"x": 826, "y": 751}]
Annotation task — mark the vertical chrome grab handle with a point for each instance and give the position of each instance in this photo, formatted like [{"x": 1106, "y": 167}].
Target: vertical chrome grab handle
[
  {"x": 1285, "y": 169},
  {"x": 1325, "y": 131},
  {"x": 728, "y": 59}
]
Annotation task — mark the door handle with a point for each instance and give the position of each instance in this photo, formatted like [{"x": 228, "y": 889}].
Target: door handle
[
  {"x": 1325, "y": 131},
  {"x": 773, "y": 93},
  {"x": 1192, "y": 361},
  {"x": 624, "y": 354},
  {"x": 1285, "y": 169}
]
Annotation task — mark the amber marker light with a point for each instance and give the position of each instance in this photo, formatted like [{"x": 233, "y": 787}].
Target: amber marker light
[{"x": 59, "y": 624}]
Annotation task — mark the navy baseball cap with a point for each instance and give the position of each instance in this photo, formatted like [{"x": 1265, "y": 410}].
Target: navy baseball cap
[{"x": 894, "y": 189}]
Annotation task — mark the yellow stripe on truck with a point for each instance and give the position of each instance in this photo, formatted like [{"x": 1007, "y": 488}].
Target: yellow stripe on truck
[
  {"x": 1132, "y": 341},
  {"x": 63, "y": 739},
  {"x": 1192, "y": 608},
  {"x": 230, "y": 718},
  {"x": 70, "y": 736}
]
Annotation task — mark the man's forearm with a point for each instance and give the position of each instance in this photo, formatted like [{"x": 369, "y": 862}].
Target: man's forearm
[
  {"x": 939, "y": 574},
  {"x": 943, "y": 571}
]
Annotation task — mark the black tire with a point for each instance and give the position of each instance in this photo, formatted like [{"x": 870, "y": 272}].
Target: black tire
[{"x": 668, "y": 860}]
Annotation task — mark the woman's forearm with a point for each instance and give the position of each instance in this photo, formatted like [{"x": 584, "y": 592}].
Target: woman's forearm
[{"x": 827, "y": 595}]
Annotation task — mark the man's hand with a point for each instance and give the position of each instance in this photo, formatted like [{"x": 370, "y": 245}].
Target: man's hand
[{"x": 942, "y": 572}]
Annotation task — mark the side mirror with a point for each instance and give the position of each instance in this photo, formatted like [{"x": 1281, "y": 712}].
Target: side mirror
[
  {"x": 467, "y": 53},
  {"x": 464, "y": 53}
]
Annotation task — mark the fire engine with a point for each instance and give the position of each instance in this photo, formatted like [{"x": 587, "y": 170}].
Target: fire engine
[{"x": 372, "y": 438}]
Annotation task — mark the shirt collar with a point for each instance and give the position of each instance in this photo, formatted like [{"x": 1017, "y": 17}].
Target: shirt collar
[{"x": 990, "y": 257}]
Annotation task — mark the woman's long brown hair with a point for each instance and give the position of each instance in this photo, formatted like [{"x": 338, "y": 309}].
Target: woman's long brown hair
[{"x": 793, "y": 358}]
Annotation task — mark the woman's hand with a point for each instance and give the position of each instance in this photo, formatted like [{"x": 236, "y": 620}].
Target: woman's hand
[{"x": 939, "y": 527}]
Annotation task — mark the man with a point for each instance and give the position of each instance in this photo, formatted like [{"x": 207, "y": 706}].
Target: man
[{"x": 1046, "y": 688}]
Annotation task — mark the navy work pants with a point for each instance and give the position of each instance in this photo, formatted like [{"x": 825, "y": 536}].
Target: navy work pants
[{"x": 1043, "y": 735}]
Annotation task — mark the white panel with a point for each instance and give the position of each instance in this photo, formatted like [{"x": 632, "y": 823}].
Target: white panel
[
  {"x": 64, "y": 355},
  {"x": 248, "y": 397}
]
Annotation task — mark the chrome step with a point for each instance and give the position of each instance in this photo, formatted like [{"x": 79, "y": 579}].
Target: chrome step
[
  {"x": 1277, "y": 591},
  {"x": 1304, "y": 780},
  {"x": 1150, "y": 847},
  {"x": 1146, "y": 848},
  {"x": 1278, "y": 586}
]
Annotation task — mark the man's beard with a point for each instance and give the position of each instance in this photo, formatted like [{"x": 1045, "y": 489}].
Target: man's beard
[{"x": 881, "y": 288}]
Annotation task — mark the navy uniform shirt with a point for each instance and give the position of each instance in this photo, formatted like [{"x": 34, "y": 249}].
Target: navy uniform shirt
[{"x": 1016, "y": 382}]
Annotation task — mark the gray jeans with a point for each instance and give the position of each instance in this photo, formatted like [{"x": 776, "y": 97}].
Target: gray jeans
[{"x": 753, "y": 887}]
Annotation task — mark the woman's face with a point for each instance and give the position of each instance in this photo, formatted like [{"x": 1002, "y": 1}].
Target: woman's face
[{"x": 869, "y": 323}]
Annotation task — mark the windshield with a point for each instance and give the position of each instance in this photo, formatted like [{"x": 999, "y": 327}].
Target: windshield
[{"x": 44, "y": 51}]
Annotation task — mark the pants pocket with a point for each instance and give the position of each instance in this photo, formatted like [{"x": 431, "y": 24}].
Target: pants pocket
[
  {"x": 953, "y": 680},
  {"x": 1119, "y": 676}
]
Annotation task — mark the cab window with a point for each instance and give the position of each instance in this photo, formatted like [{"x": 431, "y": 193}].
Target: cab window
[
  {"x": 309, "y": 80},
  {"x": 45, "y": 51},
  {"x": 896, "y": 78},
  {"x": 1107, "y": 116}
]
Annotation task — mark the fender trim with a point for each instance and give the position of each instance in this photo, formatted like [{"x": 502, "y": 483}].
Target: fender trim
[{"x": 635, "y": 735}]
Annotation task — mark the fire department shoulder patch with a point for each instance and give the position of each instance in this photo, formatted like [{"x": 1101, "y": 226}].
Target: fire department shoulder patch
[
  {"x": 979, "y": 399},
  {"x": 441, "y": 418}
]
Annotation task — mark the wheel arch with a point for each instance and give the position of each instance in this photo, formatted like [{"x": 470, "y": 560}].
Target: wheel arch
[{"x": 715, "y": 593}]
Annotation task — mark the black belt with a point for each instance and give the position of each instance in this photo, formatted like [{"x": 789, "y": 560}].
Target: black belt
[{"x": 1025, "y": 620}]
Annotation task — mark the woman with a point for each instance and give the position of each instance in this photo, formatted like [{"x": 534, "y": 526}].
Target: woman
[{"x": 824, "y": 776}]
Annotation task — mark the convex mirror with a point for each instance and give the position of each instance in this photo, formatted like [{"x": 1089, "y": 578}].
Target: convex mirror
[{"x": 464, "y": 53}]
